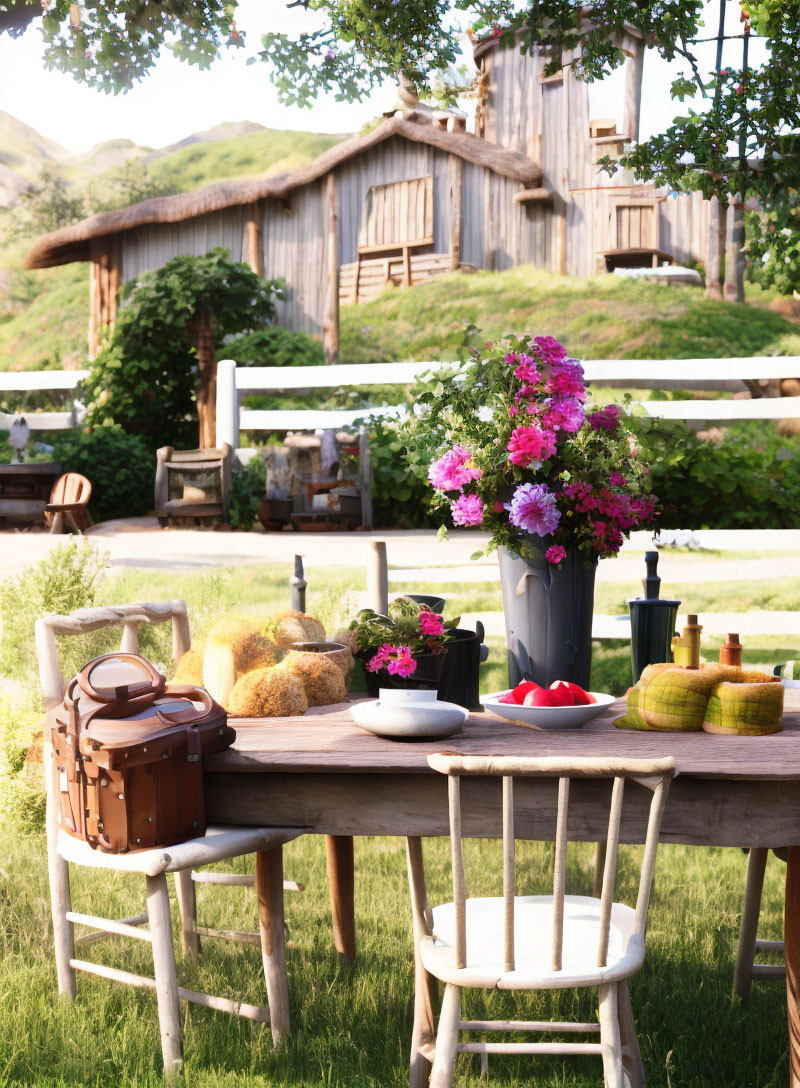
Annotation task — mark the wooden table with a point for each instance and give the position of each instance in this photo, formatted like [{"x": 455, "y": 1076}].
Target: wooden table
[{"x": 323, "y": 773}]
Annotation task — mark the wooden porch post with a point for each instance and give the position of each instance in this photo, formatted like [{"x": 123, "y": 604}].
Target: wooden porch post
[
  {"x": 255, "y": 239},
  {"x": 330, "y": 321},
  {"x": 734, "y": 251},
  {"x": 634, "y": 68},
  {"x": 206, "y": 379},
  {"x": 714, "y": 250},
  {"x": 456, "y": 171}
]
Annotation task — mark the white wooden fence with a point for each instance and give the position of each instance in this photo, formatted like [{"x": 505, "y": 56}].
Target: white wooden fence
[
  {"x": 235, "y": 382},
  {"x": 32, "y": 381}
]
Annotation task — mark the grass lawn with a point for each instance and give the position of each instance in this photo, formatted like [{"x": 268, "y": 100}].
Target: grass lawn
[{"x": 352, "y": 1027}]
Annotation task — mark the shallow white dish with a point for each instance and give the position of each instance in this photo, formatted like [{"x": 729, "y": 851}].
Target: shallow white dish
[
  {"x": 547, "y": 717},
  {"x": 409, "y": 714}
]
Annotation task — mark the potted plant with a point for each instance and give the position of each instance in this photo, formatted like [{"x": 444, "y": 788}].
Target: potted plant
[
  {"x": 517, "y": 450},
  {"x": 404, "y": 649}
]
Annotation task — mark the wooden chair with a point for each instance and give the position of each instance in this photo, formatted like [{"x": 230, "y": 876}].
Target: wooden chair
[
  {"x": 69, "y": 503},
  {"x": 217, "y": 844},
  {"x": 533, "y": 942},
  {"x": 746, "y": 968},
  {"x": 208, "y": 498}
]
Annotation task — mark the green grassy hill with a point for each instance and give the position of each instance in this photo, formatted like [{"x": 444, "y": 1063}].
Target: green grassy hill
[
  {"x": 44, "y": 315},
  {"x": 605, "y": 317}
]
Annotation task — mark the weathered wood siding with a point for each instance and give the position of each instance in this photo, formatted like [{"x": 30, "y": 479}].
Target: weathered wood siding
[
  {"x": 151, "y": 247},
  {"x": 295, "y": 248},
  {"x": 683, "y": 227}
]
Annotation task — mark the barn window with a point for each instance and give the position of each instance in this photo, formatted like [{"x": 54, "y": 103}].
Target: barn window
[{"x": 397, "y": 216}]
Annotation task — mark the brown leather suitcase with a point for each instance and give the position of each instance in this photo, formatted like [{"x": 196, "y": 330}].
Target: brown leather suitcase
[{"x": 128, "y": 755}]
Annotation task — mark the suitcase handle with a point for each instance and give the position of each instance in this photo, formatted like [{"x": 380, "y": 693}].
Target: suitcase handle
[
  {"x": 191, "y": 715},
  {"x": 153, "y": 686}
]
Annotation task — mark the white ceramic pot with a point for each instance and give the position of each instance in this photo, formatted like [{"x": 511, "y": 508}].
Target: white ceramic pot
[{"x": 409, "y": 714}]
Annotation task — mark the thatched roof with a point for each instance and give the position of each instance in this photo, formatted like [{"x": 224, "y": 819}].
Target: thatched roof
[{"x": 73, "y": 243}]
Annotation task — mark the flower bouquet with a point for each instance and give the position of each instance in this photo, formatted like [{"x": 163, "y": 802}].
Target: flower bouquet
[
  {"x": 406, "y": 648},
  {"x": 517, "y": 450}
]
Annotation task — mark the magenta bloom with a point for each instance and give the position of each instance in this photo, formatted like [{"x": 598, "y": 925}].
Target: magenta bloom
[
  {"x": 549, "y": 349},
  {"x": 467, "y": 510},
  {"x": 566, "y": 379},
  {"x": 453, "y": 470},
  {"x": 527, "y": 371},
  {"x": 616, "y": 479},
  {"x": 605, "y": 419},
  {"x": 555, "y": 553},
  {"x": 431, "y": 624},
  {"x": 530, "y": 444},
  {"x": 533, "y": 509},
  {"x": 397, "y": 660},
  {"x": 566, "y": 414}
]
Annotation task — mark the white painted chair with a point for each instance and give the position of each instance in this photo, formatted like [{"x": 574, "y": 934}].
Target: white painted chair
[
  {"x": 216, "y": 845},
  {"x": 543, "y": 942},
  {"x": 750, "y": 944}
]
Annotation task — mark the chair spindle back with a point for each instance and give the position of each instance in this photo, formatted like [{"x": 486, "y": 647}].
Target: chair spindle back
[{"x": 655, "y": 774}]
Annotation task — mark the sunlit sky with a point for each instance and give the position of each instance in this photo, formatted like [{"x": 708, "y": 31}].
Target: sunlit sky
[{"x": 177, "y": 99}]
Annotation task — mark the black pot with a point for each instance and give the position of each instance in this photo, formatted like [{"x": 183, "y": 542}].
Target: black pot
[
  {"x": 548, "y": 615},
  {"x": 427, "y": 674},
  {"x": 460, "y": 676},
  {"x": 436, "y": 604}
]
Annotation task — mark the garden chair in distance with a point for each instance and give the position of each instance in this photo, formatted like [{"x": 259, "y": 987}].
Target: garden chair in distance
[
  {"x": 216, "y": 845},
  {"x": 750, "y": 943},
  {"x": 69, "y": 503},
  {"x": 544, "y": 942}
]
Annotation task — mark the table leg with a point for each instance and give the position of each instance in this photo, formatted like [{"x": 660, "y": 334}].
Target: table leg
[
  {"x": 791, "y": 929},
  {"x": 269, "y": 890},
  {"x": 341, "y": 881}
]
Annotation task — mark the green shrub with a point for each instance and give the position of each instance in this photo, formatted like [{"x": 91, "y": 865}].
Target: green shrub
[
  {"x": 249, "y": 486},
  {"x": 274, "y": 346},
  {"x": 22, "y": 788},
  {"x": 66, "y": 579},
  {"x": 120, "y": 467},
  {"x": 400, "y": 490},
  {"x": 749, "y": 480}
]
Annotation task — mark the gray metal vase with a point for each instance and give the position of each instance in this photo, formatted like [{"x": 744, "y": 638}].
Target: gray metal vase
[{"x": 548, "y": 617}]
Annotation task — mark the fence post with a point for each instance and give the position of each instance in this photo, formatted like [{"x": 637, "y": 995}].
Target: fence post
[
  {"x": 227, "y": 405},
  {"x": 378, "y": 577},
  {"x": 298, "y": 584}
]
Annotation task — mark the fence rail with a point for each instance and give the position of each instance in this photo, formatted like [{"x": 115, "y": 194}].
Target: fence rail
[{"x": 37, "y": 381}]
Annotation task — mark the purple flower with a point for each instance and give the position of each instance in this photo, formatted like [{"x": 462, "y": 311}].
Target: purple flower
[
  {"x": 526, "y": 370},
  {"x": 467, "y": 510},
  {"x": 453, "y": 470},
  {"x": 533, "y": 509},
  {"x": 555, "y": 553},
  {"x": 566, "y": 414},
  {"x": 605, "y": 419},
  {"x": 616, "y": 479}
]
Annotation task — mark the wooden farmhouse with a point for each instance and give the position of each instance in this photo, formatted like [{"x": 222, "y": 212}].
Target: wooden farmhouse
[{"x": 413, "y": 198}]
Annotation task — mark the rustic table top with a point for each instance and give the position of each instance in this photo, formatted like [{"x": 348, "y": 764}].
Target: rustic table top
[{"x": 327, "y": 740}]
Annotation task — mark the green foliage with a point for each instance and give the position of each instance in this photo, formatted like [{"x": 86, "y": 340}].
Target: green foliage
[
  {"x": 22, "y": 791},
  {"x": 144, "y": 377},
  {"x": 400, "y": 628},
  {"x": 750, "y": 480},
  {"x": 276, "y": 346},
  {"x": 66, "y": 579},
  {"x": 399, "y": 497},
  {"x": 249, "y": 487},
  {"x": 120, "y": 467}
]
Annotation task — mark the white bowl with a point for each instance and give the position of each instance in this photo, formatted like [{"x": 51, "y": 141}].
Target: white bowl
[
  {"x": 547, "y": 717},
  {"x": 409, "y": 714}
]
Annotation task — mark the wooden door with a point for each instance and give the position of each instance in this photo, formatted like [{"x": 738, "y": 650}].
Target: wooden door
[
  {"x": 636, "y": 227},
  {"x": 397, "y": 215}
]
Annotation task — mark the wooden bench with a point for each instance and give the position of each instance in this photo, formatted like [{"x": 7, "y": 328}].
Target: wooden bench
[{"x": 24, "y": 493}]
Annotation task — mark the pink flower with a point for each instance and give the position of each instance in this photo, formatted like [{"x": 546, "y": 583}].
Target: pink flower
[
  {"x": 555, "y": 553},
  {"x": 533, "y": 509},
  {"x": 498, "y": 507},
  {"x": 605, "y": 419},
  {"x": 530, "y": 444},
  {"x": 566, "y": 379},
  {"x": 513, "y": 410},
  {"x": 526, "y": 370},
  {"x": 566, "y": 414},
  {"x": 453, "y": 470},
  {"x": 467, "y": 510},
  {"x": 397, "y": 660},
  {"x": 616, "y": 479},
  {"x": 431, "y": 624},
  {"x": 549, "y": 349}
]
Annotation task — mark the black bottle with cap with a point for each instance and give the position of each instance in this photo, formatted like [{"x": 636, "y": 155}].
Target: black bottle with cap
[{"x": 652, "y": 622}]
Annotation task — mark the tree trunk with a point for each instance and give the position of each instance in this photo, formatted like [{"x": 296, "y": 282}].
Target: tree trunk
[
  {"x": 206, "y": 379},
  {"x": 734, "y": 251},
  {"x": 714, "y": 250}
]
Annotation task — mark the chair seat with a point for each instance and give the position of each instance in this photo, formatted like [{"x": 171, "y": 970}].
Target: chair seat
[
  {"x": 533, "y": 928},
  {"x": 217, "y": 844}
]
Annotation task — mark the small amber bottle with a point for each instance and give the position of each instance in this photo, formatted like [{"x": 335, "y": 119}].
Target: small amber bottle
[{"x": 730, "y": 653}]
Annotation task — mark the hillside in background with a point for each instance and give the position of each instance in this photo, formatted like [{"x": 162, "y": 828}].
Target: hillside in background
[{"x": 44, "y": 314}]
